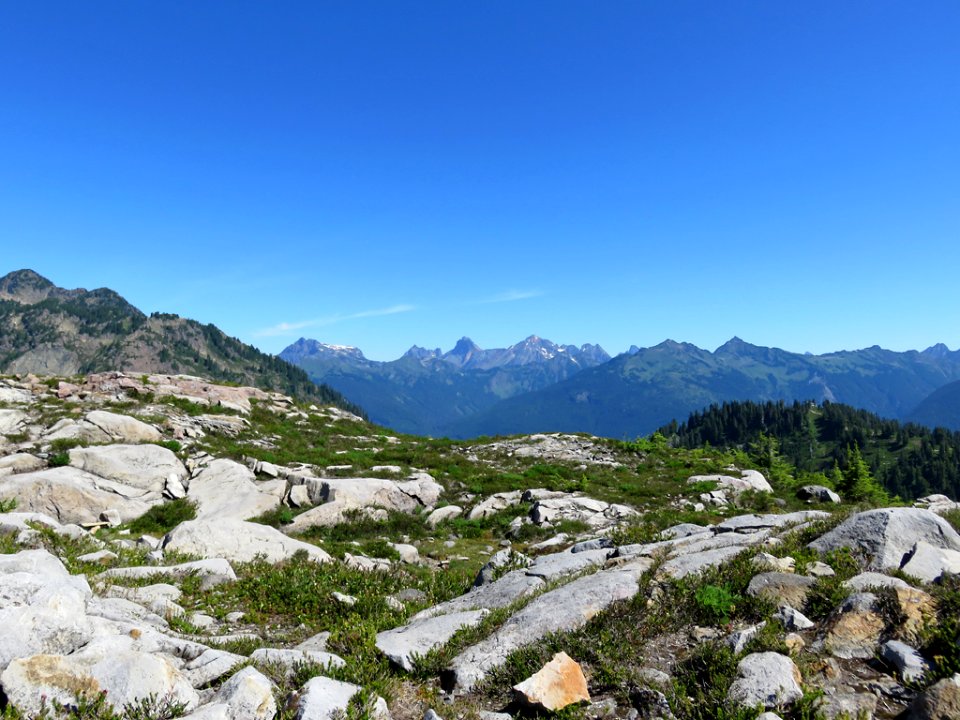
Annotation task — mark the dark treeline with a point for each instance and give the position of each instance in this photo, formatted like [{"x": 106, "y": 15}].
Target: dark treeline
[{"x": 908, "y": 460}]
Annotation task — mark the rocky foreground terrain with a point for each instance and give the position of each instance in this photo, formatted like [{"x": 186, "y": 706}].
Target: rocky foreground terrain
[{"x": 170, "y": 547}]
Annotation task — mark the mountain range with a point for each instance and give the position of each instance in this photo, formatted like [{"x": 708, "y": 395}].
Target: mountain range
[
  {"x": 45, "y": 329},
  {"x": 538, "y": 386},
  {"x": 429, "y": 391}
]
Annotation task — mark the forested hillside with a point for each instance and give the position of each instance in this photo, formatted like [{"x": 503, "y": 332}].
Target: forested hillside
[{"x": 908, "y": 460}]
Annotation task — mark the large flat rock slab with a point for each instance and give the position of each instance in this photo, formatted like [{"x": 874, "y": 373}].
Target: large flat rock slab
[
  {"x": 887, "y": 536},
  {"x": 566, "y": 608},
  {"x": 133, "y": 471},
  {"x": 237, "y": 541},
  {"x": 403, "y": 644},
  {"x": 71, "y": 495},
  {"x": 226, "y": 489}
]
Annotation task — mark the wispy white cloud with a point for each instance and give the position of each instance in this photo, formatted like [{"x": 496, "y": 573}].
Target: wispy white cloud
[
  {"x": 511, "y": 296},
  {"x": 288, "y": 328}
]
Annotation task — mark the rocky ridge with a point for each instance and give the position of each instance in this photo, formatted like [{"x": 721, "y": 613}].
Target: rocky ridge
[{"x": 377, "y": 587}]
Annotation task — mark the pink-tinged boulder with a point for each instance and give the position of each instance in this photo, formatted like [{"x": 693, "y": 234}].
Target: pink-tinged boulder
[{"x": 557, "y": 684}]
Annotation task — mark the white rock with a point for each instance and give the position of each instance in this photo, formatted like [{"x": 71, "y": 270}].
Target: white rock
[
  {"x": 929, "y": 563},
  {"x": 134, "y": 471},
  {"x": 447, "y": 512},
  {"x": 249, "y": 695},
  {"x": 237, "y": 541},
  {"x": 225, "y": 489},
  {"x": 907, "y": 661},
  {"x": 127, "y": 676},
  {"x": 768, "y": 679},
  {"x": 322, "y": 699},
  {"x": 123, "y": 427}
]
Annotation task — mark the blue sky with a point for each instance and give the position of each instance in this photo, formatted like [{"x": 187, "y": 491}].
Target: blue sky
[{"x": 384, "y": 174}]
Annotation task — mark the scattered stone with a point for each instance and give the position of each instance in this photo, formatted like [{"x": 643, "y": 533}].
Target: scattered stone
[
  {"x": 565, "y": 608},
  {"x": 781, "y": 588},
  {"x": 842, "y": 705},
  {"x": 213, "y": 571},
  {"x": 739, "y": 639},
  {"x": 819, "y": 569},
  {"x": 344, "y": 599},
  {"x": 767, "y": 562},
  {"x": 908, "y": 663},
  {"x": 291, "y": 658},
  {"x": 768, "y": 679},
  {"x": 557, "y": 684},
  {"x": 793, "y": 619}
]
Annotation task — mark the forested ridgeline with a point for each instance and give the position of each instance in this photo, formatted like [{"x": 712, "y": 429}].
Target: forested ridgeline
[{"x": 908, "y": 460}]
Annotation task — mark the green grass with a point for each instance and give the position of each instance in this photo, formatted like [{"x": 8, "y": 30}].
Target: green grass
[{"x": 161, "y": 519}]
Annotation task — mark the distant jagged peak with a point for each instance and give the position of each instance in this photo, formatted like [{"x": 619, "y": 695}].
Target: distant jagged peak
[
  {"x": 422, "y": 353},
  {"x": 734, "y": 345},
  {"x": 307, "y": 348},
  {"x": 937, "y": 351},
  {"x": 463, "y": 352}
]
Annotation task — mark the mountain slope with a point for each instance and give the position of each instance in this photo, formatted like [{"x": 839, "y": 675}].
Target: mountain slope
[
  {"x": 907, "y": 459},
  {"x": 941, "y": 408},
  {"x": 45, "y": 329}
]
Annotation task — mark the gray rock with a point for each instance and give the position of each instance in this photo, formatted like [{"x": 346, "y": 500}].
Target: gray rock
[
  {"x": 768, "y": 679},
  {"x": 739, "y": 639},
  {"x": 685, "y": 564},
  {"x": 42, "y": 607},
  {"x": 237, "y": 541},
  {"x": 887, "y": 535},
  {"x": 557, "y": 565},
  {"x": 509, "y": 588},
  {"x": 754, "y": 523},
  {"x": 819, "y": 569},
  {"x": 494, "y": 504},
  {"x": 403, "y": 644},
  {"x": 594, "y": 544},
  {"x": 749, "y": 480},
  {"x": 940, "y": 701},
  {"x": 905, "y": 660},
  {"x": 210, "y": 665},
  {"x": 21, "y": 462},
  {"x": 123, "y": 428},
  {"x": 566, "y": 608},
  {"x": 792, "y": 619},
  {"x": 683, "y": 530}
]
